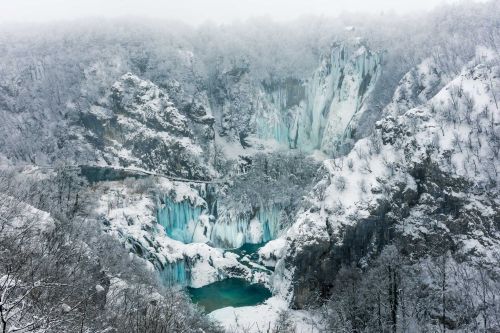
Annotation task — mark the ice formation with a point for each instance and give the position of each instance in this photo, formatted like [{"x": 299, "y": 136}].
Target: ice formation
[
  {"x": 180, "y": 219},
  {"x": 233, "y": 230},
  {"x": 175, "y": 273},
  {"x": 333, "y": 100}
]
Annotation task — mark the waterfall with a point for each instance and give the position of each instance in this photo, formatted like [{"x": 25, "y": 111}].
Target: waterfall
[
  {"x": 273, "y": 127},
  {"x": 229, "y": 231},
  {"x": 234, "y": 230},
  {"x": 270, "y": 221},
  {"x": 175, "y": 273},
  {"x": 331, "y": 102},
  {"x": 180, "y": 219},
  {"x": 189, "y": 223}
]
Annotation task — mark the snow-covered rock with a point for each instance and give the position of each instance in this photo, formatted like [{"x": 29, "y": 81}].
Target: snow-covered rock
[{"x": 139, "y": 126}]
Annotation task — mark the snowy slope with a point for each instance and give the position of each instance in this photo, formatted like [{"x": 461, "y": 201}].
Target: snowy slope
[
  {"x": 140, "y": 126},
  {"x": 429, "y": 175},
  {"x": 265, "y": 317}
]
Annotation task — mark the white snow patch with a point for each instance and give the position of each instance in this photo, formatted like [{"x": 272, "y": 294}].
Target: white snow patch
[{"x": 262, "y": 318}]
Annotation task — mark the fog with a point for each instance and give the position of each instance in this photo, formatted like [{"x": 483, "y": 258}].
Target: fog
[{"x": 199, "y": 11}]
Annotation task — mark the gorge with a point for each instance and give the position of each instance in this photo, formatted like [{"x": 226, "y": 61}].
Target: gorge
[{"x": 311, "y": 176}]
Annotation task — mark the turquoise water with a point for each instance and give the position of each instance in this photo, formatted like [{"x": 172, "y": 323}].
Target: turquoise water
[
  {"x": 229, "y": 292},
  {"x": 249, "y": 249}
]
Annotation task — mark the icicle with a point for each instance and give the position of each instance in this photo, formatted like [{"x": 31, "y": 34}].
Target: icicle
[{"x": 232, "y": 232}]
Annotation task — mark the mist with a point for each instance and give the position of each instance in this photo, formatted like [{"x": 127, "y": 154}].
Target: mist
[{"x": 195, "y": 12}]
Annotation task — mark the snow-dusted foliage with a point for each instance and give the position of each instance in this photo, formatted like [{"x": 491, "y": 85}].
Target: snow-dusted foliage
[{"x": 60, "y": 273}]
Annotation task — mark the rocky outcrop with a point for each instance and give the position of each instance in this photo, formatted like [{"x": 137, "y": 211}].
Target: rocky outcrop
[{"x": 140, "y": 126}]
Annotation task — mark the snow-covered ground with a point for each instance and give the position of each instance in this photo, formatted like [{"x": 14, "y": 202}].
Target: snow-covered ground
[{"x": 263, "y": 317}]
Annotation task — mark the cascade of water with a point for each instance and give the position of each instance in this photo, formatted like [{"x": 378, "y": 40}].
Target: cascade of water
[
  {"x": 180, "y": 219},
  {"x": 175, "y": 273},
  {"x": 331, "y": 102},
  {"x": 233, "y": 231},
  {"x": 275, "y": 128},
  {"x": 229, "y": 231},
  {"x": 270, "y": 221},
  {"x": 211, "y": 199}
]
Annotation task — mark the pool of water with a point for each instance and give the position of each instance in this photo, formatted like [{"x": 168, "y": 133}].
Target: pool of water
[
  {"x": 229, "y": 292},
  {"x": 249, "y": 249}
]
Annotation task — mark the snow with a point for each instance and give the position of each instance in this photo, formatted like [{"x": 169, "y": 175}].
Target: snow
[
  {"x": 233, "y": 149},
  {"x": 485, "y": 55},
  {"x": 17, "y": 214},
  {"x": 261, "y": 318},
  {"x": 100, "y": 112},
  {"x": 66, "y": 307},
  {"x": 255, "y": 231},
  {"x": 272, "y": 251}
]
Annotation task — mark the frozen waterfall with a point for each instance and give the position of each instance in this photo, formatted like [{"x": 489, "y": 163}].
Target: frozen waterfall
[
  {"x": 233, "y": 230},
  {"x": 176, "y": 273},
  {"x": 332, "y": 101},
  {"x": 180, "y": 219}
]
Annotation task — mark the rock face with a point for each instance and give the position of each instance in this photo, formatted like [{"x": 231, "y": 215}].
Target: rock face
[
  {"x": 426, "y": 180},
  {"x": 140, "y": 126},
  {"x": 318, "y": 112},
  {"x": 322, "y": 112}
]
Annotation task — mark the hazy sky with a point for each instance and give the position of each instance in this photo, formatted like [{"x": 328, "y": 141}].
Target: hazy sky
[{"x": 197, "y": 11}]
